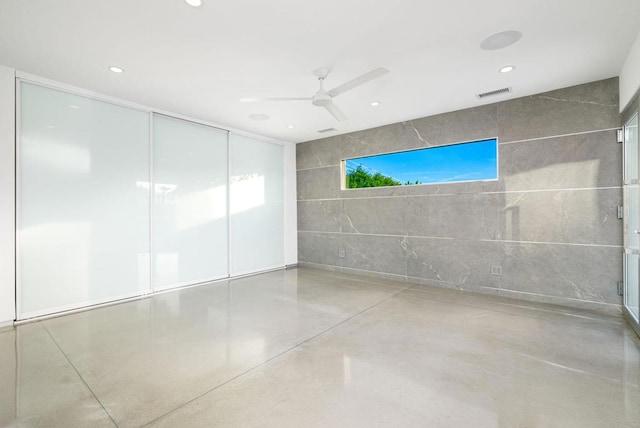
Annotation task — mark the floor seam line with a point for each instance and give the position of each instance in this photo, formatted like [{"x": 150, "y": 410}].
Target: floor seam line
[
  {"x": 505, "y": 312},
  {"x": 340, "y": 275},
  {"x": 278, "y": 355},
  {"x": 79, "y": 375}
]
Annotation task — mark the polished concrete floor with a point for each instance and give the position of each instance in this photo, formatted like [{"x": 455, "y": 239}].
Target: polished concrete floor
[{"x": 308, "y": 348}]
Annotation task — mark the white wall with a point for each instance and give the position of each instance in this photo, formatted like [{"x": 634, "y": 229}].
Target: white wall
[
  {"x": 290, "y": 206},
  {"x": 7, "y": 201},
  {"x": 630, "y": 75}
]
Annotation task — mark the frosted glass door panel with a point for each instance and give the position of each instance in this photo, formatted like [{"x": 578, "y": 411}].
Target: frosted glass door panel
[
  {"x": 190, "y": 203},
  {"x": 631, "y": 218},
  {"x": 632, "y": 204},
  {"x": 256, "y": 205},
  {"x": 631, "y": 150},
  {"x": 632, "y": 279},
  {"x": 83, "y": 201}
]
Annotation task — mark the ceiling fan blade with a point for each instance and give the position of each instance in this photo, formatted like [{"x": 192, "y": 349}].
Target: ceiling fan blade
[
  {"x": 373, "y": 74},
  {"x": 256, "y": 100},
  {"x": 336, "y": 112}
]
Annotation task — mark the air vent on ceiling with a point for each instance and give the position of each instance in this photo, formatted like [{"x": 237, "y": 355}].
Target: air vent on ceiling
[
  {"x": 494, "y": 93},
  {"x": 322, "y": 131}
]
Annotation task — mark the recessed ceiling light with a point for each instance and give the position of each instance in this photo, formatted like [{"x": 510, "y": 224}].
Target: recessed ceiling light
[
  {"x": 116, "y": 69},
  {"x": 194, "y": 3},
  {"x": 73, "y": 106},
  {"x": 507, "y": 69},
  {"x": 375, "y": 103},
  {"x": 259, "y": 116},
  {"x": 500, "y": 40},
  {"x": 290, "y": 126}
]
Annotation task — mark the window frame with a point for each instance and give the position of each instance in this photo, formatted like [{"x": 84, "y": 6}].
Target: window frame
[{"x": 343, "y": 165}]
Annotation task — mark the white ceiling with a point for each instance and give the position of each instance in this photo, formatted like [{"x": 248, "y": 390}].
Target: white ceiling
[{"x": 199, "y": 62}]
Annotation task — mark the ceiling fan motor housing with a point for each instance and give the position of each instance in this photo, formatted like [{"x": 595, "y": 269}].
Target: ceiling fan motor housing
[{"x": 321, "y": 99}]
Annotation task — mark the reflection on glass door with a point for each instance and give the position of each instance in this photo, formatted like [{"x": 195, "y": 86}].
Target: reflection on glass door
[
  {"x": 256, "y": 216},
  {"x": 632, "y": 219},
  {"x": 189, "y": 209},
  {"x": 83, "y": 201}
]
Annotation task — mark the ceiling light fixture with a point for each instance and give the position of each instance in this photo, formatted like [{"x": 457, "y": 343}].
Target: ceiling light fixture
[
  {"x": 194, "y": 3},
  {"x": 290, "y": 126},
  {"x": 375, "y": 103},
  {"x": 500, "y": 40},
  {"x": 259, "y": 116},
  {"x": 507, "y": 69},
  {"x": 115, "y": 69}
]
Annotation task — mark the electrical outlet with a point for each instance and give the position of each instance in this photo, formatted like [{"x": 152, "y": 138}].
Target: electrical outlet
[
  {"x": 496, "y": 270},
  {"x": 341, "y": 253}
]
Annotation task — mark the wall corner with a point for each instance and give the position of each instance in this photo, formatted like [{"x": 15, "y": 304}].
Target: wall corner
[{"x": 7, "y": 195}]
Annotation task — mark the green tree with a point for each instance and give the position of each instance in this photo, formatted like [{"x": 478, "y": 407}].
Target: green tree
[{"x": 358, "y": 178}]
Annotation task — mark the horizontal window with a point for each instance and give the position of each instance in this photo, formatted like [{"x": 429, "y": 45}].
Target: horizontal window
[{"x": 472, "y": 161}]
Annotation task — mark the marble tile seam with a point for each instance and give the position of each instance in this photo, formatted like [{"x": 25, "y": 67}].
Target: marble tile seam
[
  {"x": 368, "y": 282},
  {"x": 495, "y": 192},
  {"x": 613, "y": 305},
  {"x": 461, "y": 239},
  {"x": 317, "y": 167},
  {"x": 500, "y": 143},
  {"x": 454, "y": 286},
  {"x": 352, "y": 269},
  {"x": 562, "y": 310},
  {"x": 280, "y": 354},
  {"x": 93, "y": 394},
  {"x": 548, "y": 137},
  {"x": 555, "y": 299},
  {"x": 376, "y": 234},
  {"x": 519, "y": 303},
  {"x": 576, "y": 244}
]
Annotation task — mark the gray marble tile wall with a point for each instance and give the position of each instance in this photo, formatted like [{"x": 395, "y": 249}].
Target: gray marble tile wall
[{"x": 549, "y": 222}]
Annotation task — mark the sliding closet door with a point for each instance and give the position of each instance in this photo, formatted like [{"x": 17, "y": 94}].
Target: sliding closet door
[
  {"x": 189, "y": 231},
  {"x": 256, "y": 205},
  {"x": 83, "y": 201}
]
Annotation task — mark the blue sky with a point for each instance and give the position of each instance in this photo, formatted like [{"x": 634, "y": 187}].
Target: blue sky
[{"x": 459, "y": 162}]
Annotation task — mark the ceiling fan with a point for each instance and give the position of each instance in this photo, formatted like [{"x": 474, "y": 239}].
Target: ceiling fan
[{"x": 324, "y": 98}]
